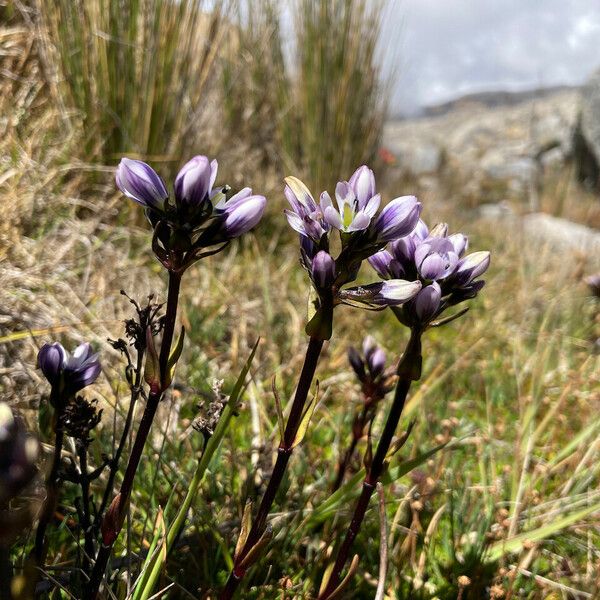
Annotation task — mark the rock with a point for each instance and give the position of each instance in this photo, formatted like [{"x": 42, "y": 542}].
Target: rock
[
  {"x": 498, "y": 164},
  {"x": 562, "y": 234},
  {"x": 587, "y": 137},
  {"x": 504, "y": 144},
  {"x": 552, "y": 159},
  {"x": 420, "y": 158},
  {"x": 494, "y": 211}
]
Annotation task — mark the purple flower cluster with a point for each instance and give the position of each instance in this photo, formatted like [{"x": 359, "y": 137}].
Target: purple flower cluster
[
  {"x": 363, "y": 230},
  {"x": 438, "y": 261},
  {"x": 371, "y": 363},
  {"x": 67, "y": 372},
  {"x": 201, "y": 215},
  {"x": 355, "y": 211},
  {"x": 375, "y": 379}
]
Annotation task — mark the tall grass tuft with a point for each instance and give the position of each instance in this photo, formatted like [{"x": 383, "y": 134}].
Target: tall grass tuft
[
  {"x": 336, "y": 118},
  {"x": 135, "y": 72},
  {"x": 311, "y": 98}
]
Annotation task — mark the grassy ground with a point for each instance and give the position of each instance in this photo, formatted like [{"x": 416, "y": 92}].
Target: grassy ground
[
  {"x": 514, "y": 384},
  {"x": 511, "y": 502}
]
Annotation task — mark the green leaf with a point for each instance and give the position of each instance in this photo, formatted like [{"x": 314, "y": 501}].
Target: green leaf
[
  {"x": 174, "y": 357},
  {"x": 515, "y": 544},
  {"x": 152, "y": 563},
  {"x": 306, "y": 417}
]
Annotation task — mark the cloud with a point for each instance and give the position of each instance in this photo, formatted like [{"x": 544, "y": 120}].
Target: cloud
[{"x": 440, "y": 49}]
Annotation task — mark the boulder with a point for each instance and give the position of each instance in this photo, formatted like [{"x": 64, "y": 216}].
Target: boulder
[
  {"x": 586, "y": 143},
  {"x": 417, "y": 157}
]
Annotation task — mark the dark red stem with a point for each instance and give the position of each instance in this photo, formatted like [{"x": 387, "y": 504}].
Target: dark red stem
[
  {"x": 408, "y": 371},
  {"x": 283, "y": 456}
]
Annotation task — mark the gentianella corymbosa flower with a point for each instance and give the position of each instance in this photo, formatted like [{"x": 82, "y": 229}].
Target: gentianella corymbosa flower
[
  {"x": 369, "y": 366},
  {"x": 363, "y": 231},
  {"x": 438, "y": 261},
  {"x": 199, "y": 220},
  {"x": 69, "y": 373}
]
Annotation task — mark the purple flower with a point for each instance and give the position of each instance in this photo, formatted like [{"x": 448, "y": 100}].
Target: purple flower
[
  {"x": 435, "y": 258},
  {"x": 194, "y": 182},
  {"x": 72, "y": 371},
  {"x": 357, "y": 202},
  {"x": 350, "y": 215},
  {"x": 306, "y": 217},
  {"x": 242, "y": 212},
  {"x": 374, "y": 356},
  {"x": 323, "y": 270},
  {"x": 140, "y": 182},
  {"x": 593, "y": 282},
  {"x": 362, "y": 183},
  {"x": 427, "y": 302},
  {"x": 397, "y": 219}
]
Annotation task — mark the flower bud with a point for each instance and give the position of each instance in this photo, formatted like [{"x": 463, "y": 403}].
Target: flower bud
[
  {"x": 381, "y": 262},
  {"x": 435, "y": 258},
  {"x": 140, "y": 182},
  {"x": 384, "y": 293},
  {"x": 460, "y": 243},
  {"x": 323, "y": 270},
  {"x": 242, "y": 212},
  {"x": 397, "y": 291},
  {"x": 374, "y": 355},
  {"x": 397, "y": 219},
  {"x": 194, "y": 181},
  {"x": 427, "y": 302},
  {"x": 52, "y": 359},
  {"x": 471, "y": 267},
  {"x": 356, "y": 362}
]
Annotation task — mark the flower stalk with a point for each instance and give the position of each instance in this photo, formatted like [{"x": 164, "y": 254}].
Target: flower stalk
[
  {"x": 114, "y": 518},
  {"x": 284, "y": 452},
  {"x": 52, "y": 481},
  {"x": 409, "y": 370}
]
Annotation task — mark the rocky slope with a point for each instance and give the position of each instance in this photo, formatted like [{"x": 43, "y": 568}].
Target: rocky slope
[{"x": 512, "y": 144}]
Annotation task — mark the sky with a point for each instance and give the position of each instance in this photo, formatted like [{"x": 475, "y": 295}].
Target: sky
[{"x": 437, "y": 50}]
